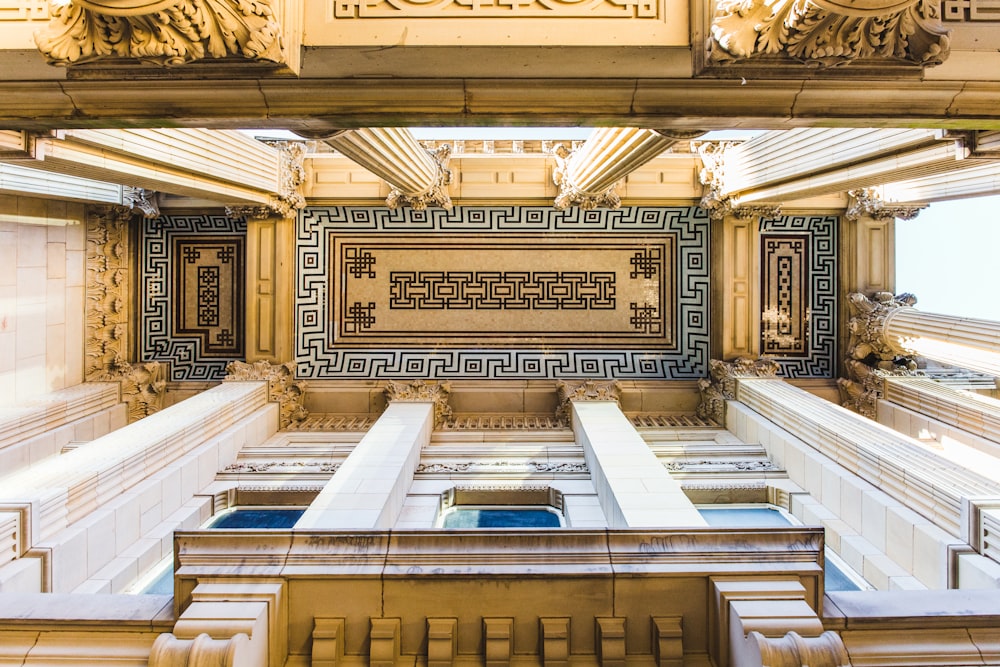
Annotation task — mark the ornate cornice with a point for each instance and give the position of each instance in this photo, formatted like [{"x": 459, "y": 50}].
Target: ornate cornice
[
  {"x": 165, "y": 33},
  {"x": 419, "y": 391},
  {"x": 717, "y": 204},
  {"x": 586, "y": 390},
  {"x": 282, "y": 387},
  {"x": 436, "y": 195},
  {"x": 827, "y": 33},
  {"x": 868, "y": 202},
  {"x": 570, "y": 194},
  {"x": 867, "y": 329},
  {"x": 720, "y": 386}
]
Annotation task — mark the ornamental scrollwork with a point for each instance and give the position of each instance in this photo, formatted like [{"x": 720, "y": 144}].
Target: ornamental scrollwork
[
  {"x": 827, "y": 33},
  {"x": 436, "y": 194},
  {"x": 165, "y": 33},
  {"x": 282, "y": 387},
  {"x": 868, "y": 202},
  {"x": 419, "y": 391},
  {"x": 720, "y": 386}
]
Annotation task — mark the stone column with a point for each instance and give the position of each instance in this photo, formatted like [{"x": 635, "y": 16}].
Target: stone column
[
  {"x": 634, "y": 489},
  {"x": 368, "y": 490},
  {"x": 418, "y": 177},
  {"x": 587, "y": 176},
  {"x": 888, "y": 327}
]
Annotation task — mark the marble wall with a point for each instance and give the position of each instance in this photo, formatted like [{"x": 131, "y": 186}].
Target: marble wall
[{"x": 42, "y": 284}]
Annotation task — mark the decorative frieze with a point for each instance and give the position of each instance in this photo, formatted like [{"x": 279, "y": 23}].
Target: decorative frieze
[
  {"x": 283, "y": 467},
  {"x": 868, "y": 202},
  {"x": 588, "y": 390},
  {"x": 282, "y": 387},
  {"x": 419, "y": 391},
  {"x": 502, "y": 467},
  {"x": 720, "y": 386},
  {"x": 714, "y": 466},
  {"x": 164, "y": 32},
  {"x": 827, "y": 33}
]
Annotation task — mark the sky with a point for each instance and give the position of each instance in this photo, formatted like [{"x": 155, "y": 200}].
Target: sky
[{"x": 948, "y": 257}]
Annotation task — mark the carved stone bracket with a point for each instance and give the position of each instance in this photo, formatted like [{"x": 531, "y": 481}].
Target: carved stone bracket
[
  {"x": 712, "y": 176},
  {"x": 202, "y": 651},
  {"x": 143, "y": 200},
  {"x": 142, "y": 385},
  {"x": 293, "y": 176},
  {"x": 720, "y": 386},
  {"x": 587, "y": 390},
  {"x": 164, "y": 32},
  {"x": 436, "y": 195},
  {"x": 867, "y": 330},
  {"x": 827, "y": 33},
  {"x": 868, "y": 202},
  {"x": 419, "y": 391},
  {"x": 826, "y": 650},
  {"x": 282, "y": 387}
]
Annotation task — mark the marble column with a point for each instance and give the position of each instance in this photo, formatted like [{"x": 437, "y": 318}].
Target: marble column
[
  {"x": 418, "y": 177},
  {"x": 587, "y": 176},
  {"x": 633, "y": 487},
  {"x": 890, "y": 327},
  {"x": 368, "y": 490}
]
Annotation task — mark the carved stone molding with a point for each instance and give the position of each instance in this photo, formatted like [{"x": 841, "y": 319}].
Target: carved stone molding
[
  {"x": 867, "y": 330},
  {"x": 107, "y": 306},
  {"x": 164, "y": 33},
  {"x": 570, "y": 194},
  {"x": 249, "y": 212},
  {"x": 709, "y": 465},
  {"x": 419, "y": 391},
  {"x": 868, "y": 202},
  {"x": 502, "y": 467},
  {"x": 827, "y": 33},
  {"x": 202, "y": 651},
  {"x": 143, "y": 200},
  {"x": 283, "y": 466},
  {"x": 282, "y": 387},
  {"x": 712, "y": 176},
  {"x": 436, "y": 194},
  {"x": 587, "y": 390},
  {"x": 720, "y": 386},
  {"x": 826, "y": 650}
]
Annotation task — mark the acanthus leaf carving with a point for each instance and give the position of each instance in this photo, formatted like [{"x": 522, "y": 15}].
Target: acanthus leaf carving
[
  {"x": 168, "y": 33},
  {"x": 586, "y": 390},
  {"x": 715, "y": 200},
  {"x": 570, "y": 194},
  {"x": 143, "y": 200},
  {"x": 282, "y": 386},
  {"x": 868, "y": 202},
  {"x": 828, "y": 33},
  {"x": 436, "y": 194},
  {"x": 419, "y": 391},
  {"x": 142, "y": 385},
  {"x": 720, "y": 386}
]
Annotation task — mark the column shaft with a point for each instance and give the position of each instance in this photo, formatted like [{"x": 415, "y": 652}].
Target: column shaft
[
  {"x": 393, "y": 154},
  {"x": 964, "y": 410},
  {"x": 957, "y": 341},
  {"x": 634, "y": 489},
  {"x": 368, "y": 490}
]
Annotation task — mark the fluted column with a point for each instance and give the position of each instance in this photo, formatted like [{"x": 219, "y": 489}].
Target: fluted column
[
  {"x": 587, "y": 176},
  {"x": 889, "y": 327},
  {"x": 418, "y": 177}
]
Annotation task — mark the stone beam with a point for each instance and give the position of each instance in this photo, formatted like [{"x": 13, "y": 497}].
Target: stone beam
[
  {"x": 588, "y": 176},
  {"x": 418, "y": 177},
  {"x": 976, "y": 181}
]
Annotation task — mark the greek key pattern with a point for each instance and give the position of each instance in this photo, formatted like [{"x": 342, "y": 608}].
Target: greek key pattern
[
  {"x": 188, "y": 356},
  {"x": 970, "y": 10},
  {"x": 809, "y": 344},
  {"x": 499, "y": 290},
  {"x": 318, "y": 358}
]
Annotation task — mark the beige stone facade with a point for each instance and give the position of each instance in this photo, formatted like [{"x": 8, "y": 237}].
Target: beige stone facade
[{"x": 669, "y": 363}]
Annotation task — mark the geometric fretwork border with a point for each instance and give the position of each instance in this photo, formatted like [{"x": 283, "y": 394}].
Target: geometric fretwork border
[
  {"x": 821, "y": 290},
  {"x": 158, "y": 338},
  {"x": 318, "y": 358}
]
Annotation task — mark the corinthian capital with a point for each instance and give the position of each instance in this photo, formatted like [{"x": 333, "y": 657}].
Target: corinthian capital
[
  {"x": 828, "y": 32},
  {"x": 868, "y": 202},
  {"x": 282, "y": 387},
  {"x": 720, "y": 385},
  {"x": 436, "y": 193},
  {"x": 419, "y": 391},
  {"x": 163, "y": 32},
  {"x": 868, "y": 341},
  {"x": 586, "y": 390},
  {"x": 716, "y": 201}
]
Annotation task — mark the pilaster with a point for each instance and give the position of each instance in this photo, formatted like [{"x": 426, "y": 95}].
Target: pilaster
[
  {"x": 735, "y": 277},
  {"x": 270, "y": 289}
]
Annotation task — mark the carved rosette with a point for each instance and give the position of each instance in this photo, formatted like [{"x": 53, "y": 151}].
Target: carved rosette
[
  {"x": 867, "y": 330},
  {"x": 570, "y": 194},
  {"x": 720, "y": 386},
  {"x": 712, "y": 176},
  {"x": 165, "y": 33},
  {"x": 587, "y": 390},
  {"x": 282, "y": 387},
  {"x": 436, "y": 194},
  {"x": 828, "y": 32},
  {"x": 868, "y": 202},
  {"x": 419, "y": 391}
]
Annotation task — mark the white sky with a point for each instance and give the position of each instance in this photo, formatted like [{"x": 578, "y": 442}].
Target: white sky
[{"x": 949, "y": 257}]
